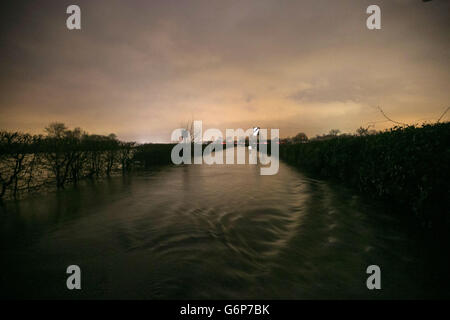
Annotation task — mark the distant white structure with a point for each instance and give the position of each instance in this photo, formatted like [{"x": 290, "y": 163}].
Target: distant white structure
[{"x": 255, "y": 134}]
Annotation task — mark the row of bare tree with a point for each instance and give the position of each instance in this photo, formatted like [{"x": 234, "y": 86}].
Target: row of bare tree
[{"x": 61, "y": 156}]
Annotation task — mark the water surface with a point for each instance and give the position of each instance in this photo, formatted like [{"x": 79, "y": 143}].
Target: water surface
[{"x": 205, "y": 232}]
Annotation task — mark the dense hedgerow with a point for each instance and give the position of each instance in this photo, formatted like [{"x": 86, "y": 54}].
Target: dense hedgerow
[
  {"x": 152, "y": 154},
  {"x": 407, "y": 167}
]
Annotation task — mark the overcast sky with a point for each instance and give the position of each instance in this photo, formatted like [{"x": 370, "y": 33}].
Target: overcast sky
[{"x": 141, "y": 68}]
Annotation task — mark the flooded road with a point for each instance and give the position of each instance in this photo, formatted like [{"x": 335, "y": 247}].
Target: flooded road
[{"x": 205, "y": 232}]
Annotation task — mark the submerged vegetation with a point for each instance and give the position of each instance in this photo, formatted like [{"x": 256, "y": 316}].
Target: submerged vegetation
[
  {"x": 405, "y": 167},
  {"x": 31, "y": 162}
]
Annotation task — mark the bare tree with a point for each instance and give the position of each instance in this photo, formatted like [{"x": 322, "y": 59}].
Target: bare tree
[
  {"x": 334, "y": 132},
  {"x": 62, "y": 155},
  {"x": 14, "y": 148},
  {"x": 111, "y": 153},
  {"x": 63, "y": 150},
  {"x": 56, "y": 130},
  {"x": 300, "y": 138},
  {"x": 389, "y": 119},
  {"x": 442, "y": 115},
  {"x": 189, "y": 132},
  {"x": 126, "y": 154}
]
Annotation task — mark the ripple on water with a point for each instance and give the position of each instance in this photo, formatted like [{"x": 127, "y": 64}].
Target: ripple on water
[{"x": 203, "y": 232}]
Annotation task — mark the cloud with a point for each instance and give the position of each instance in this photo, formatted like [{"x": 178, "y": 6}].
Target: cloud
[{"x": 140, "y": 68}]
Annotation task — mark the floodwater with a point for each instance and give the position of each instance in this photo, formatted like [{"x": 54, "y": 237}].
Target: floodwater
[{"x": 206, "y": 232}]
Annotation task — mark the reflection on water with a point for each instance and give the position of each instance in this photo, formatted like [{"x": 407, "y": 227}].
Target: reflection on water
[{"x": 203, "y": 231}]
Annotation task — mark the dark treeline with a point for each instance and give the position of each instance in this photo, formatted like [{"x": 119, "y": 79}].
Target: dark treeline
[
  {"x": 153, "y": 154},
  {"x": 61, "y": 156},
  {"x": 405, "y": 167}
]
